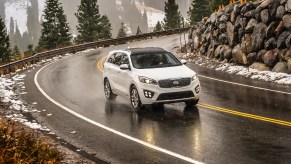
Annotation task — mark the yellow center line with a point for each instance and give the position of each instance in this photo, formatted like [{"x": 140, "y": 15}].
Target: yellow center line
[
  {"x": 100, "y": 63},
  {"x": 252, "y": 116},
  {"x": 219, "y": 109}
]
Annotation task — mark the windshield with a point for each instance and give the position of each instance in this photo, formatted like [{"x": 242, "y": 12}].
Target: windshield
[{"x": 154, "y": 60}]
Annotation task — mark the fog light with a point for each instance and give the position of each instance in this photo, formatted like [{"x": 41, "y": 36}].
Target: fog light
[
  {"x": 148, "y": 94},
  {"x": 197, "y": 89}
]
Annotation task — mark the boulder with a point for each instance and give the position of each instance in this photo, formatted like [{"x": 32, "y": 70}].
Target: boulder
[
  {"x": 288, "y": 6},
  {"x": 271, "y": 57},
  {"x": 289, "y": 65},
  {"x": 282, "y": 40},
  {"x": 230, "y": 33},
  {"x": 223, "y": 18},
  {"x": 251, "y": 58},
  {"x": 250, "y": 26},
  {"x": 281, "y": 54},
  {"x": 196, "y": 42},
  {"x": 287, "y": 21},
  {"x": 283, "y": 2},
  {"x": 222, "y": 39},
  {"x": 259, "y": 35},
  {"x": 213, "y": 17},
  {"x": 237, "y": 23},
  {"x": 232, "y": 17},
  {"x": 260, "y": 55},
  {"x": 222, "y": 27},
  {"x": 279, "y": 28},
  {"x": 281, "y": 67},
  {"x": 273, "y": 8},
  {"x": 265, "y": 17},
  {"x": 241, "y": 32},
  {"x": 287, "y": 55},
  {"x": 238, "y": 56},
  {"x": 288, "y": 41},
  {"x": 280, "y": 12},
  {"x": 271, "y": 44},
  {"x": 217, "y": 51},
  {"x": 226, "y": 53},
  {"x": 260, "y": 66},
  {"x": 265, "y": 3},
  {"x": 246, "y": 44},
  {"x": 271, "y": 30},
  {"x": 250, "y": 14},
  {"x": 237, "y": 9}
]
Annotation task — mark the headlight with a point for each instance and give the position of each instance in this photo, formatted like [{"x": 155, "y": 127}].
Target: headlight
[
  {"x": 147, "y": 80},
  {"x": 194, "y": 78}
]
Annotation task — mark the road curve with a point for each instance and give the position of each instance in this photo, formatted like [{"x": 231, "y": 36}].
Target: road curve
[{"x": 232, "y": 122}]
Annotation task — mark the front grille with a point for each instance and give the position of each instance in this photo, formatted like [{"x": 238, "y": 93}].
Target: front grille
[
  {"x": 170, "y": 83},
  {"x": 175, "y": 95}
]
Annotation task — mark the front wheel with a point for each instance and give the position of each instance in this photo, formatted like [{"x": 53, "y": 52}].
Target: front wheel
[
  {"x": 191, "y": 103},
  {"x": 134, "y": 99},
  {"x": 107, "y": 90}
]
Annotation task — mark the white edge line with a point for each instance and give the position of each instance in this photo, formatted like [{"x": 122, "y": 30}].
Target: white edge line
[
  {"x": 249, "y": 86},
  {"x": 109, "y": 129}
]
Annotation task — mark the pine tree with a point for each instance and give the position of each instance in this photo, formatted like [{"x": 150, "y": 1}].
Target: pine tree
[
  {"x": 121, "y": 31},
  {"x": 198, "y": 10},
  {"x": 173, "y": 16},
  {"x": 145, "y": 27},
  {"x": 5, "y": 51},
  {"x": 15, "y": 51},
  {"x": 138, "y": 31},
  {"x": 55, "y": 29},
  {"x": 105, "y": 28},
  {"x": 158, "y": 27},
  {"x": 89, "y": 21}
]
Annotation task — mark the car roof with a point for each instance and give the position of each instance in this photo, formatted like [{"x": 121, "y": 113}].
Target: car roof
[{"x": 145, "y": 50}]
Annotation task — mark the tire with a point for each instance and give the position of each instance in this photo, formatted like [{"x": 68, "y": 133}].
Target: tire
[
  {"x": 107, "y": 91},
  {"x": 191, "y": 103},
  {"x": 135, "y": 99}
]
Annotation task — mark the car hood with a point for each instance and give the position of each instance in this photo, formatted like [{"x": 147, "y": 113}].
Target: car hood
[{"x": 166, "y": 73}]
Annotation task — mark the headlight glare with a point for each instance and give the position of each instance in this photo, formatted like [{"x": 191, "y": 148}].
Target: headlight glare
[{"x": 147, "y": 80}]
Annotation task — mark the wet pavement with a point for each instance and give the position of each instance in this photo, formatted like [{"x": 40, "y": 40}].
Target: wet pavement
[{"x": 199, "y": 133}]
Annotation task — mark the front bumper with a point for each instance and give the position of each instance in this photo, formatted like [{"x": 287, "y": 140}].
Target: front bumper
[{"x": 168, "y": 95}]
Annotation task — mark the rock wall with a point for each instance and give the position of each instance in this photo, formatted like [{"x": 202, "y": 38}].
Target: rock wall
[{"x": 254, "y": 34}]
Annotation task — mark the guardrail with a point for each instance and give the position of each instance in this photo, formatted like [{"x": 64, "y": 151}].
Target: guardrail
[{"x": 13, "y": 66}]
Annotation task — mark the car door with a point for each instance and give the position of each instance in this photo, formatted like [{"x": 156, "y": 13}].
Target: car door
[
  {"x": 116, "y": 71},
  {"x": 108, "y": 70},
  {"x": 123, "y": 78}
]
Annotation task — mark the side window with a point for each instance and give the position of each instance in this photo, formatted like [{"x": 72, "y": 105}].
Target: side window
[
  {"x": 111, "y": 59},
  {"x": 117, "y": 59},
  {"x": 124, "y": 59}
]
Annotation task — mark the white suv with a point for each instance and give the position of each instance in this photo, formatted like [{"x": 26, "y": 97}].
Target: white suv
[{"x": 149, "y": 76}]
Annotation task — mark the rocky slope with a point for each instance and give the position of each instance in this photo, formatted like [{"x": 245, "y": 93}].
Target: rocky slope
[{"x": 254, "y": 34}]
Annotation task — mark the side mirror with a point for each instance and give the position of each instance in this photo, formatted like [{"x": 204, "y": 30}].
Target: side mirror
[
  {"x": 183, "y": 61},
  {"x": 124, "y": 67}
]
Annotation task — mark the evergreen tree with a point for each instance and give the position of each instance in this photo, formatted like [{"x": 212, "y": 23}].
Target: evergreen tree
[
  {"x": 198, "y": 10},
  {"x": 121, "y": 31},
  {"x": 145, "y": 22},
  {"x": 89, "y": 21},
  {"x": 138, "y": 31},
  {"x": 172, "y": 15},
  {"x": 214, "y": 4},
  {"x": 158, "y": 27},
  {"x": 106, "y": 28},
  {"x": 17, "y": 37},
  {"x": 15, "y": 51},
  {"x": 55, "y": 29},
  {"x": 5, "y": 51}
]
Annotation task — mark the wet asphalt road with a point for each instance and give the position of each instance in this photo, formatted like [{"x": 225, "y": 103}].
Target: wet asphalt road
[{"x": 201, "y": 133}]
